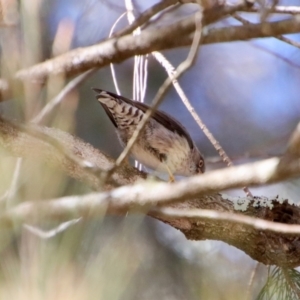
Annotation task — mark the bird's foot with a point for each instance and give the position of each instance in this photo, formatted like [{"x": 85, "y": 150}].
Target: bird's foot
[{"x": 171, "y": 178}]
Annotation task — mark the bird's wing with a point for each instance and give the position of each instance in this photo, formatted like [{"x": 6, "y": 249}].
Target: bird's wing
[{"x": 161, "y": 117}]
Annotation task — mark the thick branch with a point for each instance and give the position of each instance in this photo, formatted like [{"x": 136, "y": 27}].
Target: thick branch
[
  {"x": 23, "y": 144},
  {"x": 119, "y": 49},
  {"x": 264, "y": 246},
  {"x": 267, "y": 247}
]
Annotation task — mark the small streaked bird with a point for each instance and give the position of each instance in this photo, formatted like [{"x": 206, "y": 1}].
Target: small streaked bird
[{"x": 163, "y": 145}]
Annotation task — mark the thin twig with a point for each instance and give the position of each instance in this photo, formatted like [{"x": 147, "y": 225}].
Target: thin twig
[
  {"x": 172, "y": 72},
  {"x": 207, "y": 214},
  {"x": 112, "y": 69},
  {"x": 17, "y": 140},
  {"x": 140, "y": 72},
  {"x": 53, "y": 232},
  {"x": 286, "y": 60},
  {"x": 36, "y": 120},
  {"x": 185, "y": 65},
  {"x": 85, "y": 164},
  {"x": 157, "y": 18},
  {"x": 291, "y": 10},
  {"x": 62, "y": 94},
  {"x": 251, "y": 281},
  {"x": 146, "y": 16},
  {"x": 12, "y": 190},
  {"x": 125, "y": 199},
  {"x": 20, "y": 143},
  {"x": 278, "y": 37},
  {"x": 288, "y": 41}
]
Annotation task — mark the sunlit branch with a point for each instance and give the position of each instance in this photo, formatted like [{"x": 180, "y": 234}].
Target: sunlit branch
[
  {"x": 146, "y": 16},
  {"x": 188, "y": 194},
  {"x": 278, "y": 37},
  {"x": 61, "y": 149},
  {"x": 171, "y": 71},
  {"x": 183, "y": 67},
  {"x": 120, "y": 49},
  {"x": 290, "y": 10}
]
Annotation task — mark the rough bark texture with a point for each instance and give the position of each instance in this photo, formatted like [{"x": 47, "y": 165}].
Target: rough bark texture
[{"x": 266, "y": 246}]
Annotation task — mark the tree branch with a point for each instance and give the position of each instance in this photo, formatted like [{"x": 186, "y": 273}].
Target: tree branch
[
  {"x": 20, "y": 143},
  {"x": 116, "y": 50},
  {"x": 146, "y": 16},
  {"x": 291, "y": 10},
  {"x": 279, "y": 245},
  {"x": 265, "y": 241},
  {"x": 5, "y": 91}
]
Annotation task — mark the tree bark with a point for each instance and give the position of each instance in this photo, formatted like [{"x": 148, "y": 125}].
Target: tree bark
[{"x": 195, "y": 206}]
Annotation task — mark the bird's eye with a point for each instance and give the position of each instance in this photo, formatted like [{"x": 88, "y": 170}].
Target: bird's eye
[{"x": 201, "y": 166}]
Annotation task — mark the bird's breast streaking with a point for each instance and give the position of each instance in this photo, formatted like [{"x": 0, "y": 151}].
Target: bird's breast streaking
[{"x": 163, "y": 145}]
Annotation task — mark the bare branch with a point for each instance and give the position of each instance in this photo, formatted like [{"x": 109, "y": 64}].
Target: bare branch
[
  {"x": 146, "y": 16},
  {"x": 251, "y": 281},
  {"x": 203, "y": 214},
  {"x": 279, "y": 37},
  {"x": 142, "y": 196},
  {"x": 112, "y": 69},
  {"x": 196, "y": 224},
  {"x": 63, "y": 93},
  {"x": 261, "y": 30},
  {"x": 118, "y": 49},
  {"x": 277, "y": 55},
  {"x": 171, "y": 71},
  {"x": 12, "y": 190},
  {"x": 23, "y": 144},
  {"x": 20, "y": 143},
  {"x": 53, "y": 232},
  {"x": 291, "y": 10},
  {"x": 183, "y": 67}
]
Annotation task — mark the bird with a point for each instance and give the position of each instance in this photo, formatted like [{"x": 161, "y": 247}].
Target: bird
[{"x": 163, "y": 145}]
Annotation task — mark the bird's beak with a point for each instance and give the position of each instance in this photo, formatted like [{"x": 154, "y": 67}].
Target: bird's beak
[{"x": 98, "y": 91}]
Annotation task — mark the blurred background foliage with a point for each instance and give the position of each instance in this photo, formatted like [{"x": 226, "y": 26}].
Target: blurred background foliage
[{"x": 247, "y": 93}]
